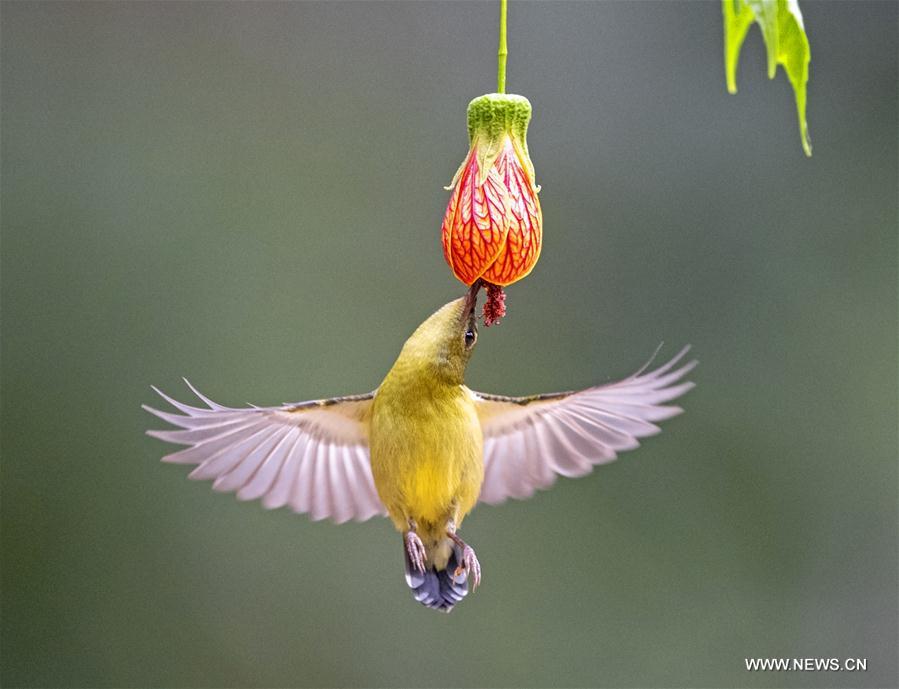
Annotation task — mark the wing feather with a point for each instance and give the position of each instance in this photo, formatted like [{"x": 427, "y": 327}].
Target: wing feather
[
  {"x": 301, "y": 501},
  {"x": 265, "y": 474},
  {"x": 280, "y": 490},
  {"x": 322, "y": 501},
  {"x": 195, "y": 436},
  {"x": 355, "y": 479},
  {"x": 528, "y": 441},
  {"x": 245, "y": 458},
  {"x": 367, "y": 485},
  {"x": 311, "y": 456},
  {"x": 339, "y": 504},
  {"x": 224, "y": 443},
  {"x": 216, "y": 464}
]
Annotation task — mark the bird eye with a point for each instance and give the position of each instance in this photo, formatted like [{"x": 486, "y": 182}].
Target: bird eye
[{"x": 470, "y": 337}]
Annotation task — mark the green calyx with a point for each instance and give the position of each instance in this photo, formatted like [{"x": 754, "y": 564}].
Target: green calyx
[
  {"x": 495, "y": 114},
  {"x": 493, "y": 117}
]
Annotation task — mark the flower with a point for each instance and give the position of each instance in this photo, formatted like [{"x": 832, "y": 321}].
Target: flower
[
  {"x": 495, "y": 306},
  {"x": 493, "y": 225}
]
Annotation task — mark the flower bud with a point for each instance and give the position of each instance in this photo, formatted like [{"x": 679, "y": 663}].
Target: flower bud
[{"x": 493, "y": 225}]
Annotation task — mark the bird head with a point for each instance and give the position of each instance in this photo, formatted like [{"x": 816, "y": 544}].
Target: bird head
[{"x": 443, "y": 344}]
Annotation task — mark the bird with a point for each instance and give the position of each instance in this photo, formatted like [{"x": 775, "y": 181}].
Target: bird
[{"x": 422, "y": 449}]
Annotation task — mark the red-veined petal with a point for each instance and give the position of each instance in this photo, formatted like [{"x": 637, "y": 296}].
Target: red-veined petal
[
  {"x": 475, "y": 226},
  {"x": 525, "y": 221}
]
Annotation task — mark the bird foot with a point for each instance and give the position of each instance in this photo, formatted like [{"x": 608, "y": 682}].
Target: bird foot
[
  {"x": 469, "y": 565},
  {"x": 415, "y": 551}
]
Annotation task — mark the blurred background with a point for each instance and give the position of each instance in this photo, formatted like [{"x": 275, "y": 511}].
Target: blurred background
[{"x": 250, "y": 195}]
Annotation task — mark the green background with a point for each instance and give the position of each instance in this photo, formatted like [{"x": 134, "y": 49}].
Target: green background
[{"x": 250, "y": 195}]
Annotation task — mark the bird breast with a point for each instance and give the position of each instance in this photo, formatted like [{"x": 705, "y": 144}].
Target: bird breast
[{"x": 426, "y": 453}]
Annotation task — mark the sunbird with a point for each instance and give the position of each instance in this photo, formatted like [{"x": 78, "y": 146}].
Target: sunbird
[{"x": 422, "y": 448}]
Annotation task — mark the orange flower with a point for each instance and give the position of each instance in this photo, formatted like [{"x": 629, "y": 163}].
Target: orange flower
[{"x": 493, "y": 225}]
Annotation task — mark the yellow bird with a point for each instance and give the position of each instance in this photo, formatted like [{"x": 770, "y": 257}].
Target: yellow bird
[{"x": 422, "y": 448}]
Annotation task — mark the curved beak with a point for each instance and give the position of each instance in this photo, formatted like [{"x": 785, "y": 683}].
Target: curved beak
[{"x": 471, "y": 299}]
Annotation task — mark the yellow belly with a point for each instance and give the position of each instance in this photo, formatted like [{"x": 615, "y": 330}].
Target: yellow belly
[{"x": 426, "y": 457}]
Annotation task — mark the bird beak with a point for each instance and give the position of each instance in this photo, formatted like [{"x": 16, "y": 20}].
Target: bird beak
[{"x": 471, "y": 299}]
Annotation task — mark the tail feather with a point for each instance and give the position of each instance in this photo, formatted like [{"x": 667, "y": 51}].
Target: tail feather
[{"x": 438, "y": 589}]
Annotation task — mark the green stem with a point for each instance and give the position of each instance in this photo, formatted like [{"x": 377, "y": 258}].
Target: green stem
[{"x": 503, "y": 51}]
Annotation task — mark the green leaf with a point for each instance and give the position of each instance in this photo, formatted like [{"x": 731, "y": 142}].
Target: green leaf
[{"x": 785, "y": 42}]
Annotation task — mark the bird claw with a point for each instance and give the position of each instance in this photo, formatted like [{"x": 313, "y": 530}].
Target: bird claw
[
  {"x": 470, "y": 566},
  {"x": 415, "y": 551}
]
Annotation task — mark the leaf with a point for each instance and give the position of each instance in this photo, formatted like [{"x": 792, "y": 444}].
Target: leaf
[{"x": 785, "y": 42}]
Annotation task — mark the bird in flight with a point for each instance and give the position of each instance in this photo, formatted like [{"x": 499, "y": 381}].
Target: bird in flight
[{"x": 422, "y": 448}]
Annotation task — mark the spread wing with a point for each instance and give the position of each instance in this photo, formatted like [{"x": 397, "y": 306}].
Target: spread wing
[
  {"x": 311, "y": 456},
  {"x": 528, "y": 441}
]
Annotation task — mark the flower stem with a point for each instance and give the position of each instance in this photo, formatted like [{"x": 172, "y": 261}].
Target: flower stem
[{"x": 503, "y": 51}]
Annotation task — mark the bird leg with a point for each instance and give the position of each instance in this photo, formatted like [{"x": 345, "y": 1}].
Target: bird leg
[
  {"x": 415, "y": 549},
  {"x": 470, "y": 563}
]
